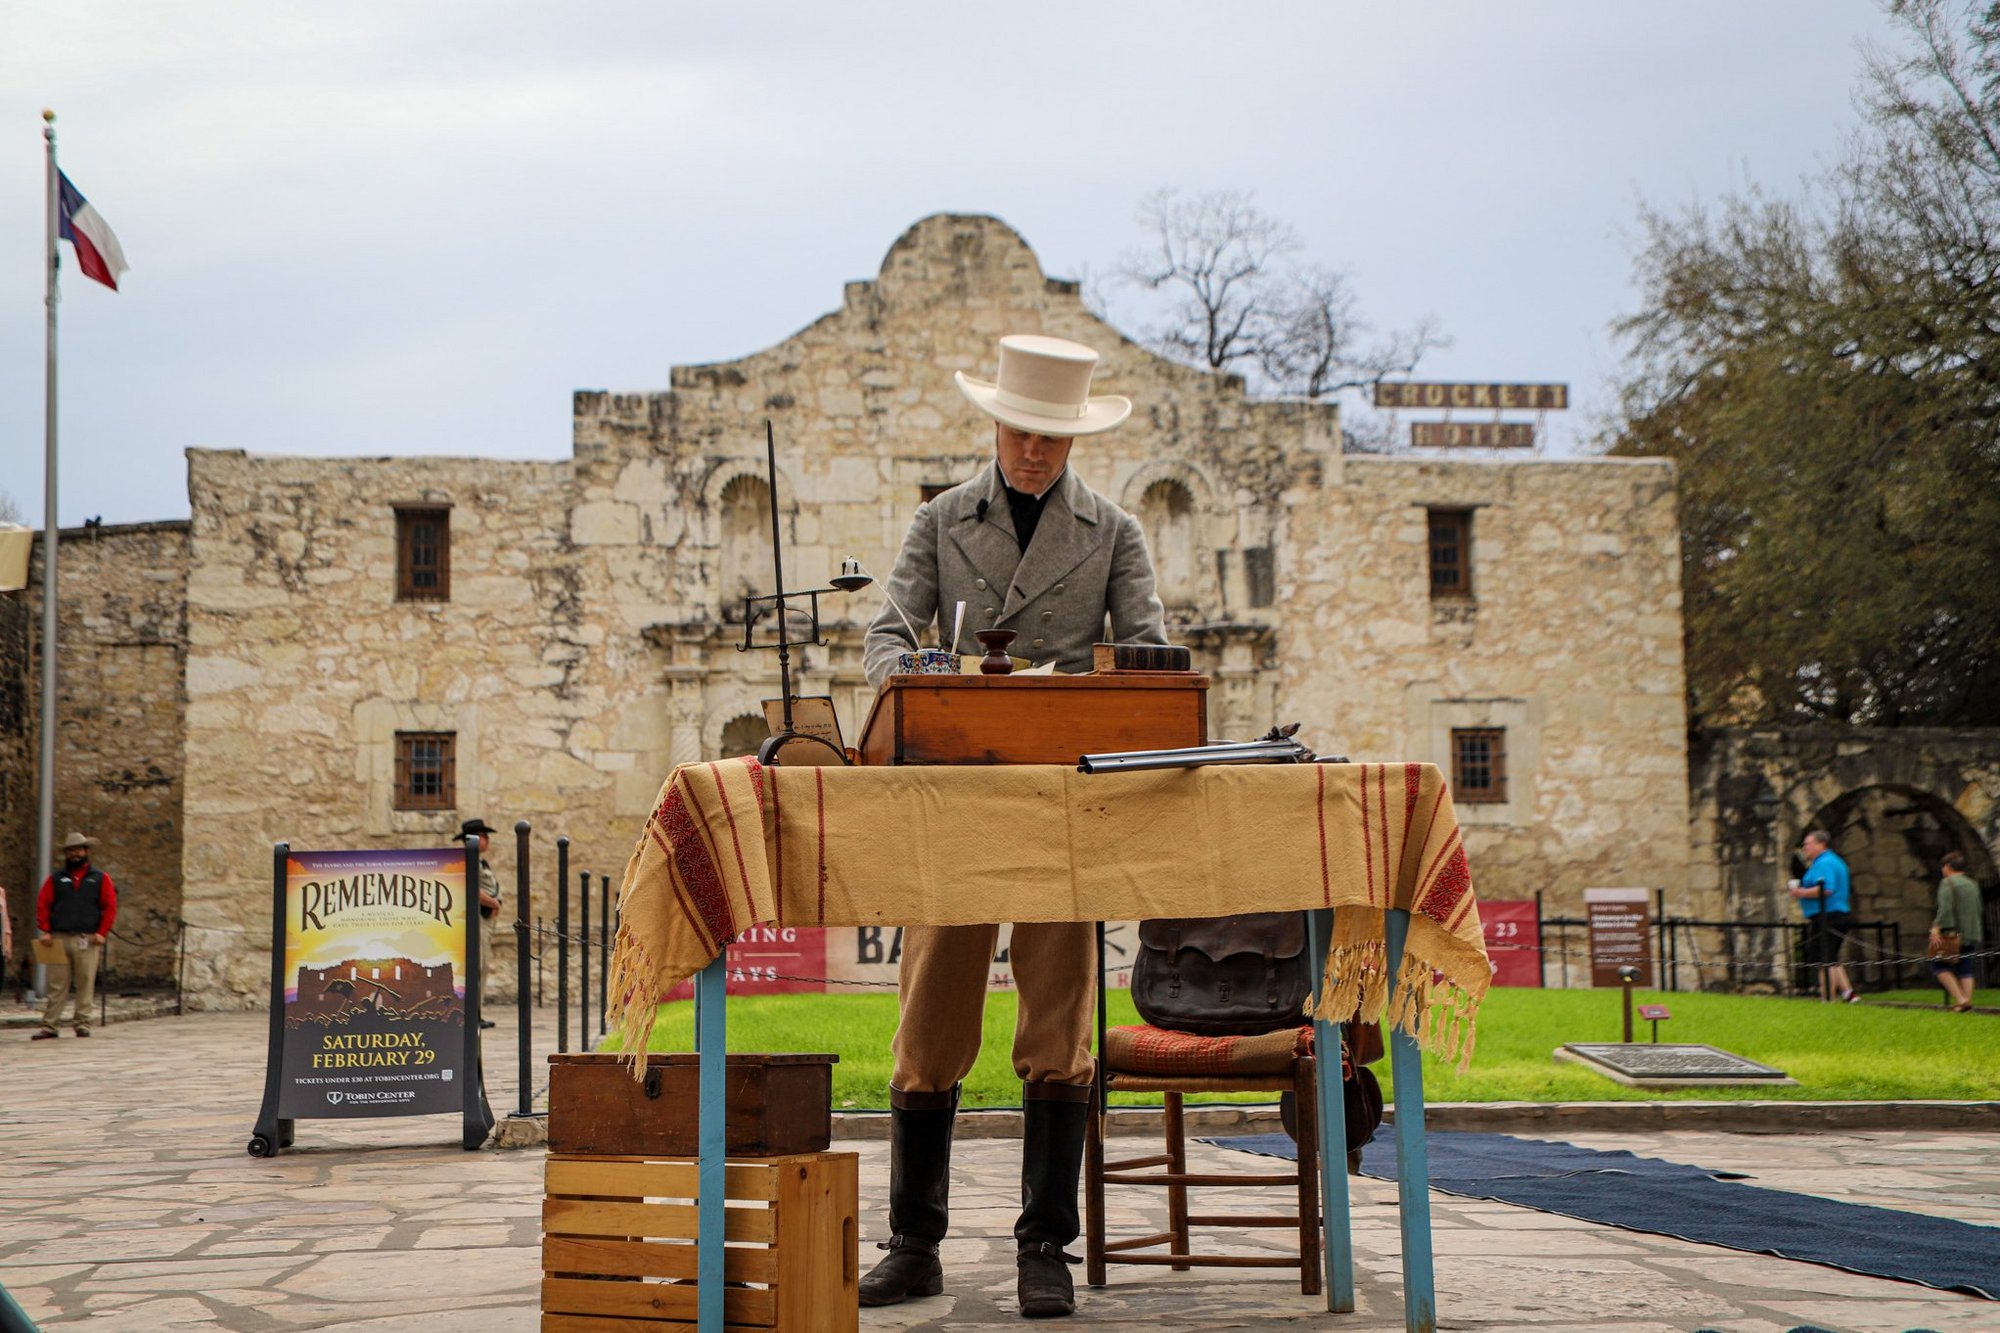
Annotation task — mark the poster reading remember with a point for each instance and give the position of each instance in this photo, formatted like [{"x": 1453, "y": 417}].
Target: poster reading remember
[{"x": 374, "y": 983}]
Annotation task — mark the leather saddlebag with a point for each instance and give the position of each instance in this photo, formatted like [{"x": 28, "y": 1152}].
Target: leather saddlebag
[{"x": 1226, "y": 976}]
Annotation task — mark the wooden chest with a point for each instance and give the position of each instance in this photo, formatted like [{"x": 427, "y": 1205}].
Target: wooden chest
[
  {"x": 1031, "y": 719},
  {"x": 618, "y": 1252},
  {"x": 773, "y": 1104}
]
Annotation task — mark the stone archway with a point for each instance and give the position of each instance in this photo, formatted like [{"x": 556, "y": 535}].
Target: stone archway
[{"x": 1892, "y": 837}]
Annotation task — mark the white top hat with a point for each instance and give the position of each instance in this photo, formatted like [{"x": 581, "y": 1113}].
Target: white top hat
[{"x": 1044, "y": 389}]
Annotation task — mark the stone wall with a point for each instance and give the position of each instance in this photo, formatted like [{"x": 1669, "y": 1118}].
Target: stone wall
[
  {"x": 1571, "y": 641},
  {"x": 302, "y": 666},
  {"x": 121, "y": 642}
]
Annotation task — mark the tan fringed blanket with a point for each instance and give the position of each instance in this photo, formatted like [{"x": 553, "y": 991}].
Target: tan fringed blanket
[{"x": 733, "y": 844}]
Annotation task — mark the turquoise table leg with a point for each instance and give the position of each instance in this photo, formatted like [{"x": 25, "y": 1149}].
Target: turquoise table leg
[
  {"x": 1413, "y": 1174},
  {"x": 711, "y": 1042},
  {"x": 1337, "y": 1239}
]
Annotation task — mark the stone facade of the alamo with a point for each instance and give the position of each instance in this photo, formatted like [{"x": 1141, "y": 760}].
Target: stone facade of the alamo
[{"x": 244, "y": 677}]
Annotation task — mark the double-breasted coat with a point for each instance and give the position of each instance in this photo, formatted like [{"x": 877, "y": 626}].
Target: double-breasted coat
[{"x": 1086, "y": 564}]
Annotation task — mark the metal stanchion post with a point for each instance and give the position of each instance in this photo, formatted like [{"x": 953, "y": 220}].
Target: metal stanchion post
[
  {"x": 524, "y": 1016},
  {"x": 562, "y": 944},
  {"x": 583, "y": 963},
  {"x": 603, "y": 950},
  {"x": 1628, "y": 975}
]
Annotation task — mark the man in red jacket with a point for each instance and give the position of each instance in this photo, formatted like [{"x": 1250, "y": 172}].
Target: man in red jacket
[{"x": 77, "y": 904}]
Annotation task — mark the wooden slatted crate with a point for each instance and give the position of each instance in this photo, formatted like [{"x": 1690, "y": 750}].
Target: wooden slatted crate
[{"x": 618, "y": 1251}]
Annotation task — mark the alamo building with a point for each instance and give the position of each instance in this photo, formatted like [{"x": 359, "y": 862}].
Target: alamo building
[{"x": 362, "y": 652}]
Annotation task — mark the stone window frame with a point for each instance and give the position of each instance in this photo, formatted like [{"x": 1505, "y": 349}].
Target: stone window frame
[
  {"x": 1479, "y": 765},
  {"x": 408, "y": 517},
  {"x": 376, "y": 722},
  {"x": 1432, "y": 718},
  {"x": 438, "y": 748},
  {"x": 1457, "y": 520}
]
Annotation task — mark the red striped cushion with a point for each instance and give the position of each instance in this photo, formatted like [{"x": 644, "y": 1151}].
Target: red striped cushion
[{"x": 1141, "y": 1049}]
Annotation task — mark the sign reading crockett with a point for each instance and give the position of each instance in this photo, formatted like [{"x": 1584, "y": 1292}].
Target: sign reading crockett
[{"x": 374, "y": 997}]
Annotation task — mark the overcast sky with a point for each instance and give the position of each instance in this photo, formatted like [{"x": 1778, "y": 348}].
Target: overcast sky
[{"x": 397, "y": 228}]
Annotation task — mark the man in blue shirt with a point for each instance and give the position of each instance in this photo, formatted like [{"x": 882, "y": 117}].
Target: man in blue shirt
[{"x": 1826, "y": 897}]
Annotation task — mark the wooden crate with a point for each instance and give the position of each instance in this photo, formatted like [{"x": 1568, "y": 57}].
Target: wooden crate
[
  {"x": 772, "y": 1104},
  {"x": 618, "y": 1251}
]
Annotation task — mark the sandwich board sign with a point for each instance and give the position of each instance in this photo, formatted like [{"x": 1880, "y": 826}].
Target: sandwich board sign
[{"x": 374, "y": 990}]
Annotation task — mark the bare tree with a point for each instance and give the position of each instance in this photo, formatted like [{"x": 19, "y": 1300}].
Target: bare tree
[
  {"x": 1237, "y": 301},
  {"x": 1213, "y": 255},
  {"x": 10, "y": 509},
  {"x": 1317, "y": 347}
]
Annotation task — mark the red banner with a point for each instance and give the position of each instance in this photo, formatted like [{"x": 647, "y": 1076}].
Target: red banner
[
  {"x": 1513, "y": 942},
  {"x": 771, "y": 960}
]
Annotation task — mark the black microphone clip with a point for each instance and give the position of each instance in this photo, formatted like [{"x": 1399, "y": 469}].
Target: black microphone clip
[{"x": 979, "y": 513}]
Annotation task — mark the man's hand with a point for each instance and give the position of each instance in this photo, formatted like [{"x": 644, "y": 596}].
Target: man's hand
[
  {"x": 44, "y": 936},
  {"x": 98, "y": 938}
]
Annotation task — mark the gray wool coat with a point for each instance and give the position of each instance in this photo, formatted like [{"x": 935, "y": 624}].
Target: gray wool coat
[{"x": 1087, "y": 564}]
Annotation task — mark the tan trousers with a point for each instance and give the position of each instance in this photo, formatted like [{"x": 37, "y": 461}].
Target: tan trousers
[
  {"x": 941, "y": 1002},
  {"x": 83, "y": 952}
]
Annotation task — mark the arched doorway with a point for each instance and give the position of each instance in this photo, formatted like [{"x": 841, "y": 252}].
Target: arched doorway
[
  {"x": 742, "y": 735},
  {"x": 1892, "y": 838}
]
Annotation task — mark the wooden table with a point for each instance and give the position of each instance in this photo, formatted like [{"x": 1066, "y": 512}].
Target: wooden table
[{"x": 1053, "y": 720}]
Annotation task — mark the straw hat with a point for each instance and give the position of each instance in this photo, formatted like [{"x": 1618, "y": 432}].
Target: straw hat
[
  {"x": 78, "y": 840},
  {"x": 1044, "y": 389}
]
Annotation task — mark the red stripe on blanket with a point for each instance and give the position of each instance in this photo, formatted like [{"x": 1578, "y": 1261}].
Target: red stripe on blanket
[
  {"x": 1325, "y": 873},
  {"x": 819, "y": 782},
  {"x": 1389, "y": 873},
  {"x": 1412, "y": 785},
  {"x": 736, "y": 844},
  {"x": 1367, "y": 837},
  {"x": 777, "y": 844},
  {"x": 1450, "y": 891},
  {"x": 683, "y": 843}
]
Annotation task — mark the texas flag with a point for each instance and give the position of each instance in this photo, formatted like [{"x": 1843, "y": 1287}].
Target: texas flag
[{"x": 97, "y": 251}]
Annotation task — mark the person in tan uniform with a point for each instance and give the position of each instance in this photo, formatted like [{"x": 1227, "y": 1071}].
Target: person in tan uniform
[{"x": 1028, "y": 547}]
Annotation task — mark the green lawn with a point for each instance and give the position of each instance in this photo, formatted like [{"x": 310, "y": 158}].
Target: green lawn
[{"x": 1840, "y": 1052}]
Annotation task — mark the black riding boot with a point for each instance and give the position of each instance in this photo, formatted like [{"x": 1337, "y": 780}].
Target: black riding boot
[
  {"x": 1055, "y": 1118},
  {"x": 919, "y": 1197}
]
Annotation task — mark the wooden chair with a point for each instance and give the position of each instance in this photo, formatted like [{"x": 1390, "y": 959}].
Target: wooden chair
[{"x": 1147, "y": 1059}]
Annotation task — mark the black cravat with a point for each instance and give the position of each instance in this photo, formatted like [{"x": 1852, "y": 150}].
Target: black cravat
[{"x": 1027, "y": 511}]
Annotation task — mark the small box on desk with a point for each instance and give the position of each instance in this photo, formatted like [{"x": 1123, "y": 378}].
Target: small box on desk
[
  {"x": 618, "y": 1253},
  {"x": 773, "y": 1104}
]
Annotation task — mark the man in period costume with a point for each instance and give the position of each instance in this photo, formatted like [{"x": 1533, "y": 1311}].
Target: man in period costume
[
  {"x": 76, "y": 905},
  {"x": 1028, "y": 547}
]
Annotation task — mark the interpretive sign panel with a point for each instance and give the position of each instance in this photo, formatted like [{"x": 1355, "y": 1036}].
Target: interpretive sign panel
[
  {"x": 1619, "y": 935},
  {"x": 1646, "y": 1064},
  {"x": 1513, "y": 941},
  {"x": 374, "y": 991}
]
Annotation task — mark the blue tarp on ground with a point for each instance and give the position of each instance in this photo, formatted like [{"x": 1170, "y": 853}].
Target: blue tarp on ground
[{"x": 1622, "y": 1189}]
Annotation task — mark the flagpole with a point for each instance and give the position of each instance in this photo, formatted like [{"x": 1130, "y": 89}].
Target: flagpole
[{"x": 46, "y": 823}]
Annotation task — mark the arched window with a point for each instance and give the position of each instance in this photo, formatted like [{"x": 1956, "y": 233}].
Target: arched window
[
  {"x": 742, "y": 735},
  {"x": 1166, "y": 511},
  {"x": 745, "y": 558}
]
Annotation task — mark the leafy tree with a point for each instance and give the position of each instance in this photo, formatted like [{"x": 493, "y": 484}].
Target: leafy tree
[
  {"x": 1826, "y": 373},
  {"x": 1237, "y": 301}
]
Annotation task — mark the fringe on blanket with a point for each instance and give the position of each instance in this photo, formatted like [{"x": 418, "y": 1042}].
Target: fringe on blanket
[
  {"x": 1431, "y": 1000},
  {"x": 634, "y": 1006}
]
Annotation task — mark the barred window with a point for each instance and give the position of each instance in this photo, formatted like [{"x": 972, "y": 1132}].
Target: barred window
[
  {"x": 1478, "y": 764},
  {"x": 423, "y": 555},
  {"x": 1451, "y": 553},
  {"x": 426, "y": 770}
]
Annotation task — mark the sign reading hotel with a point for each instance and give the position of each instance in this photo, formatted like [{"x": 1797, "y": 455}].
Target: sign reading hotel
[
  {"x": 373, "y": 961},
  {"x": 1498, "y": 397},
  {"x": 1472, "y": 434}
]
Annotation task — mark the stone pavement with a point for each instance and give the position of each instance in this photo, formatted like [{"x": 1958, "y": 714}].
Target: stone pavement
[{"x": 127, "y": 1202}]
